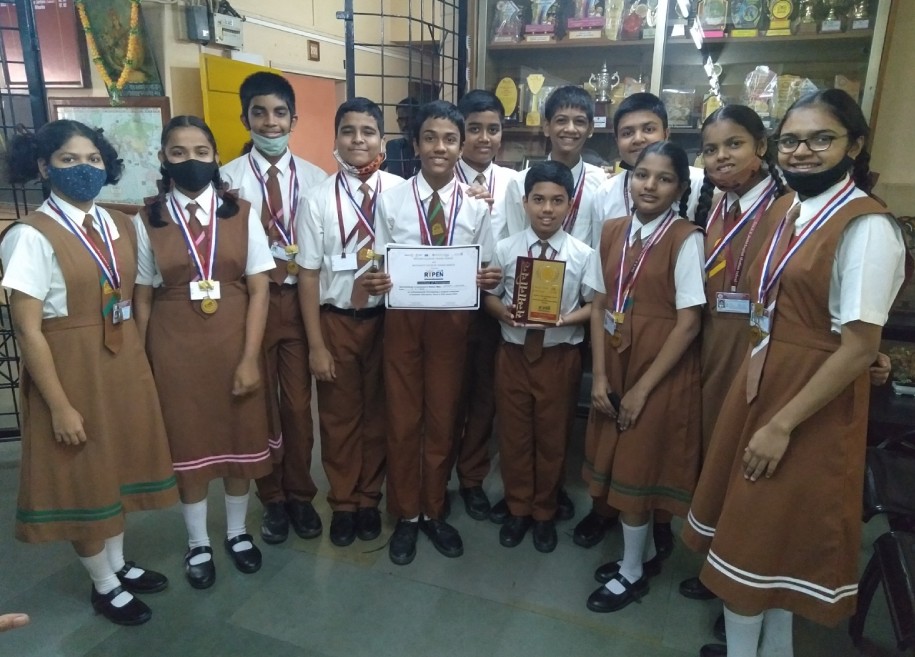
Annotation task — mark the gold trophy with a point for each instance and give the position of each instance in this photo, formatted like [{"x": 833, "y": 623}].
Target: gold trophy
[
  {"x": 780, "y": 18},
  {"x": 603, "y": 83},
  {"x": 832, "y": 22},
  {"x": 806, "y": 24},
  {"x": 534, "y": 84},
  {"x": 860, "y": 18},
  {"x": 613, "y": 19}
]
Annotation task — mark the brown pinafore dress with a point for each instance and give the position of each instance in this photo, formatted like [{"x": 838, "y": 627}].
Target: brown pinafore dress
[
  {"x": 80, "y": 492},
  {"x": 212, "y": 433},
  {"x": 792, "y": 541},
  {"x": 655, "y": 463}
]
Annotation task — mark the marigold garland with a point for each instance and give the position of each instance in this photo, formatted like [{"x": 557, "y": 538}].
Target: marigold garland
[{"x": 133, "y": 46}]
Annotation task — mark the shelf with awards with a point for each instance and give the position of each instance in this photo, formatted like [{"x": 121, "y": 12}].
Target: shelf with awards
[{"x": 567, "y": 44}]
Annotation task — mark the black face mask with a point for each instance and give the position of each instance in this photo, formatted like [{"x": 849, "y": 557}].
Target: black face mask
[
  {"x": 626, "y": 166},
  {"x": 809, "y": 185},
  {"x": 191, "y": 175}
]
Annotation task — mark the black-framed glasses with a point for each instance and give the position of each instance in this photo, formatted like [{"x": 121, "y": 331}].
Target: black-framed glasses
[{"x": 817, "y": 143}]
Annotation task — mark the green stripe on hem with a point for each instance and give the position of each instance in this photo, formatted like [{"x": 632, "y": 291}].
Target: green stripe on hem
[
  {"x": 651, "y": 491},
  {"x": 149, "y": 486},
  {"x": 69, "y": 515}
]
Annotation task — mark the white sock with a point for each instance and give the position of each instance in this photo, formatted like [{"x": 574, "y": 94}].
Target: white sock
[
  {"x": 195, "y": 519},
  {"x": 776, "y": 634},
  {"x": 114, "y": 548},
  {"x": 236, "y": 510},
  {"x": 743, "y": 633},
  {"x": 103, "y": 578},
  {"x": 634, "y": 538}
]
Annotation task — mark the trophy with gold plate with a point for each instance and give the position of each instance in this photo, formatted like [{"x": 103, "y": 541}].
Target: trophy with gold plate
[
  {"x": 860, "y": 18},
  {"x": 588, "y": 21},
  {"x": 537, "y": 296},
  {"x": 780, "y": 18},
  {"x": 713, "y": 18},
  {"x": 534, "y": 85},
  {"x": 507, "y": 93},
  {"x": 603, "y": 83},
  {"x": 613, "y": 18},
  {"x": 806, "y": 23},
  {"x": 832, "y": 22},
  {"x": 542, "y": 27},
  {"x": 745, "y": 17}
]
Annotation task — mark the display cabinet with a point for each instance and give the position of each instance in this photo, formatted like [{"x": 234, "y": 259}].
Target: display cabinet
[{"x": 693, "y": 54}]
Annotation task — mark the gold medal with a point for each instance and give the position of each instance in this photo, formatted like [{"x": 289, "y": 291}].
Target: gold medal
[
  {"x": 366, "y": 254},
  {"x": 615, "y": 340},
  {"x": 292, "y": 250},
  {"x": 292, "y": 267},
  {"x": 209, "y": 306},
  {"x": 107, "y": 289},
  {"x": 619, "y": 318}
]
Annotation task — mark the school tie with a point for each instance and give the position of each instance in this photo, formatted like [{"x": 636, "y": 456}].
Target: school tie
[
  {"x": 533, "y": 339},
  {"x": 198, "y": 234},
  {"x": 732, "y": 216},
  {"x": 730, "y": 220},
  {"x": 632, "y": 253},
  {"x": 274, "y": 204},
  {"x": 360, "y": 296},
  {"x": 436, "y": 221},
  {"x": 758, "y": 352},
  {"x": 480, "y": 180},
  {"x": 112, "y": 332}
]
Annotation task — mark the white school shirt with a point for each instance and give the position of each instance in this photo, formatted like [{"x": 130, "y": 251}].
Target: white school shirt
[
  {"x": 497, "y": 180},
  {"x": 583, "y": 277},
  {"x": 588, "y": 214},
  {"x": 689, "y": 272},
  {"x": 397, "y": 219},
  {"x": 318, "y": 233},
  {"x": 869, "y": 265},
  {"x": 259, "y": 258},
  {"x": 29, "y": 263},
  {"x": 610, "y": 200},
  {"x": 746, "y": 201},
  {"x": 239, "y": 175}
]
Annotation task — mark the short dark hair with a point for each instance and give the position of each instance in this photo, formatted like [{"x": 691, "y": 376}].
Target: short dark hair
[
  {"x": 360, "y": 105},
  {"x": 680, "y": 162},
  {"x": 480, "y": 100},
  {"x": 437, "y": 109},
  {"x": 640, "y": 102},
  {"x": 27, "y": 148},
  {"x": 569, "y": 96},
  {"x": 265, "y": 83},
  {"x": 550, "y": 171},
  {"x": 409, "y": 103}
]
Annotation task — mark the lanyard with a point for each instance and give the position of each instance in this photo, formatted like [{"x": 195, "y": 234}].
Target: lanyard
[
  {"x": 204, "y": 266},
  {"x": 770, "y": 273},
  {"x": 457, "y": 201},
  {"x": 576, "y": 204},
  {"x": 367, "y": 222},
  {"x": 276, "y": 215},
  {"x": 110, "y": 271},
  {"x": 625, "y": 284},
  {"x": 626, "y": 198}
]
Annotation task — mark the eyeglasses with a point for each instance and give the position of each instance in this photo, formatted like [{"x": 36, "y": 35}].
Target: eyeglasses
[{"x": 817, "y": 143}]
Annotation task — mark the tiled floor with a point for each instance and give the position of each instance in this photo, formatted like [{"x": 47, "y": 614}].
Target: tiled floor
[{"x": 312, "y": 599}]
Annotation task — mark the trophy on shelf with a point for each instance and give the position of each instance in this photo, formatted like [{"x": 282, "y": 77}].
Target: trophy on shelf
[
  {"x": 832, "y": 22},
  {"x": 534, "y": 85},
  {"x": 860, "y": 18},
  {"x": 780, "y": 18},
  {"x": 631, "y": 27},
  {"x": 603, "y": 84},
  {"x": 678, "y": 24},
  {"x": 613, "y": 18},
  {"x": 712, "y": 100},
  {"x": 806, "y": 23},
  {"x": 745, "y": 17},
  {"x": 507, "y": 93},
  {"x": 543, "y": 22},
  {"x": 508, "y": 22},
  {"x": 588, "y": 21},
  {"x": 650, "y": 26},
  {"x": 713, "y": 18}
]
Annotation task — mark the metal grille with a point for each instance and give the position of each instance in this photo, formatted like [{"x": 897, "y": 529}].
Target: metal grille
[{"x": 19, "y": 107}]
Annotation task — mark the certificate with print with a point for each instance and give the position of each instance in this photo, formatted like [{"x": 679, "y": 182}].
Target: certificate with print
[{"x": 433, "y": 277}]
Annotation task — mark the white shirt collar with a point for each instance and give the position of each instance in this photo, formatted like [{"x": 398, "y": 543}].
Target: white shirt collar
[
  {"x": 750, "y": 197},
  {"x": 646, "y": 229},
  {"x": 355, "y": 183},
  {"x": 204, "y": 200},
  {"x": 263, "y": 164},
  {"x": 555, "y": 241},
  {"x": 74, "y": 213},
  {"x": 470, "y": 173},
  {"x": 576, "y": 170},
  {"x": 425, "y": 190},
  {"x": 811, "y": 206}
]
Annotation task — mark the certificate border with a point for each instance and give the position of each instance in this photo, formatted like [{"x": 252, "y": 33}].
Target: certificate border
[{"x": 413, "y": 247}]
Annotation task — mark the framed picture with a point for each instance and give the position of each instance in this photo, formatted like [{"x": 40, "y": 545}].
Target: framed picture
[
  {"x": 134, "y": 128},
  {"x": 314, "y": 51}
]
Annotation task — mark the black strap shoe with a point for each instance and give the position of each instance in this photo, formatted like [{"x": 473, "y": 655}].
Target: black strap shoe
[
  {"x": 275, "y": 525},
  {"x": 544, "y": 536},
  {"x": 246, "y": 561},
  {"x": 475, "y": 502},
  {"x": 718, "y": 630},
  {"x": 149, "y": 581},
  {"x": 663, "y": 539},
  {"x": 591, "y": 530},
  {"x": 201, "y": 575},
  {"x": 565, "y": 508},
  {"x": 713, "y": 650},
  {"x": 306, "y": 522},
  {"x": 135, "y": 612},
  {"x": 499, "y": 512},
  {"x": 343, "y": 528},
  {"x": 402, "y": 546},
  {"x": 650, "y": 568},
  {"x": 603, "y": 600},
  {"x": 368, "y": 524},
  {"x": 513, "y": 530},
  {"x": 694, "y": 589},
  {"x": 444, "y": 537}
]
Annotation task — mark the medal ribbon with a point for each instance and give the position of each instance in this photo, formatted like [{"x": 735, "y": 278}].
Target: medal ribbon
[
  {"x": 459, "y": 171},
  {"x": 770, "y": 274},
  {"x": 457, "y": 201},
  {"x": 576, "y": 204},
  {"x": 626, "y": 198},
  {"x": 624, "y": 285},
  {"x": 276, "y": 216},
  {"x": 204, "y": 266},
  {"x": 110, "y": 272},
  {"x": 367, "y": 222}
]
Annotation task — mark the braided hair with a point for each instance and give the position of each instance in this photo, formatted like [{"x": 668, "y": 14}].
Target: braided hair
[
  {"x": 680, "y": 162},
  {"x": 229, "y": 206}
]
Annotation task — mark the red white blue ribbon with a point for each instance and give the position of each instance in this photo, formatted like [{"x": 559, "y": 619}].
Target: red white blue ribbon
[
  {"x": 109, "y": 271},
  {"x": 457, "y": 201},
  {"x": 276, "y": 215},
  {"x": 204, "y": 266},
  {"x": 624, "y": 284}
]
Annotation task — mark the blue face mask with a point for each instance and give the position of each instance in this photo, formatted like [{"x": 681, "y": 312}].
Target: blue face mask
[
  {"x": 81, "y": 183},
  {"x": 270, "y": 146}
]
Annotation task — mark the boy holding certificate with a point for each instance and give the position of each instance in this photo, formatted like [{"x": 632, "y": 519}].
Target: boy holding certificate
[
  {"x": 549, "y": 279},
  {"x": 424, "y": 349}
]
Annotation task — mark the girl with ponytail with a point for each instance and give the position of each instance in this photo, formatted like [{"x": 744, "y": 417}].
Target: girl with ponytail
[{"x": 202, "y": 296}]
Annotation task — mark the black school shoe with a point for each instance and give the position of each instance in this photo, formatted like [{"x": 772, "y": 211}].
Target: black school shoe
[
  {"x": 475, "y": 502},
  {"x": 368, "y": 524},
  {"x": 694, "y": 589},
  {"x": 565, "y": 508},
  {"x": 544, "y": 536},
  {"x": 402, "y": 546},
  {"x": 499, "y": 512},
  {"x": 603, "y": 600},
  {"x": 343, "y": 528},
  {"x": 444, "y": 537},
  {"x": 650, "y": 568},
  {"x": 663, "y": 539},
  {"x": 513, "y": 530},
  {"x": 201, "y": 575},
  {"x": 275, "y": 524},
  {"x": 713, "y": 650},
  {"x": 592, "y": 529},
  {"x": 149, "y": 581},
  {"x": 134, "y": 612},
  {"x": 246, "y": 561},
  {"x": 305, "y": 521},
  {"x": 718, "y": 630}
]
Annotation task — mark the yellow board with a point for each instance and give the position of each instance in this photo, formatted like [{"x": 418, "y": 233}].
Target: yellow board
[{"x": 219, "y": 80}]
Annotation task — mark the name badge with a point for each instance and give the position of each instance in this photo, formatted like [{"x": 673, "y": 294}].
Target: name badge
[
  {"x": 735, "y": 303},
  {"x": 609, "y": 322},
  {"x": 280, "y": 252},
  {"x": 344, "y": 262},
  {"x": 201, "y": 290},
  {"x": 122, "y": 312}
]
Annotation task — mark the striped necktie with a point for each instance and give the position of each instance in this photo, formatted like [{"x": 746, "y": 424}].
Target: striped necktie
[{"x": 113, "y": 338}]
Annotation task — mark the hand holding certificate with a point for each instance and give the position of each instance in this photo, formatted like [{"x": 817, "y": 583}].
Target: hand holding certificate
[{"x": 433, "y": 278}]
